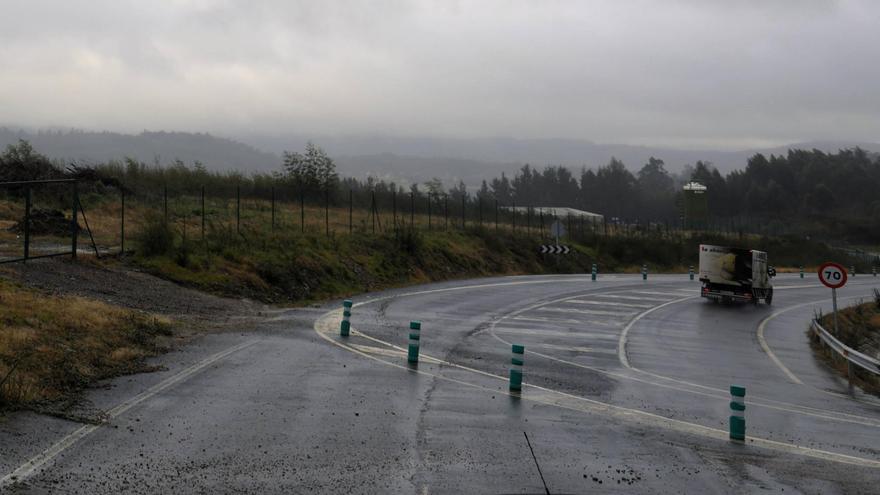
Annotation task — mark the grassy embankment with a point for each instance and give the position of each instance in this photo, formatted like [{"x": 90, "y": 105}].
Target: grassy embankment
[
  {"x": 859, "y": 328},
  {"x": 296, "y": 261},
  {"x": 286, "y": 266},
  {"x": 52, "y": 347}
]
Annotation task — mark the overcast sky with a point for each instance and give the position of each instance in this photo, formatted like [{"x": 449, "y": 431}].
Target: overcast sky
[{"x": 695, "y": 73}]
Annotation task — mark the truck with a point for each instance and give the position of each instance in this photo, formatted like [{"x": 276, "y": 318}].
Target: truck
[{"x": 730, "y": 274}]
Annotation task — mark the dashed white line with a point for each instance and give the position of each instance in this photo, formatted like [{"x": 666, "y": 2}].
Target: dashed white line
[{"x": 38, "y": 461}]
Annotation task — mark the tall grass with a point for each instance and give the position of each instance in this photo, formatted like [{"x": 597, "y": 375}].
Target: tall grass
[{"x": 51, "y": 346}]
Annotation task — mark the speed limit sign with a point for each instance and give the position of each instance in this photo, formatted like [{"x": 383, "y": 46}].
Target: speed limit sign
[{"x": 832, "y": 275}]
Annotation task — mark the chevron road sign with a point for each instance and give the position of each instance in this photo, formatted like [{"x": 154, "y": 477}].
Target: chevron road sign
[{"x": 554, "y": 249}]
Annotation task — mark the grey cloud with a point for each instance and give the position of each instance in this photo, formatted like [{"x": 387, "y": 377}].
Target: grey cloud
[{"x": 661, "y": 72}]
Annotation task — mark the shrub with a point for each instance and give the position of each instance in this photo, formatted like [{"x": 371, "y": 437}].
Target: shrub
[{"x": 155, "y": 237}]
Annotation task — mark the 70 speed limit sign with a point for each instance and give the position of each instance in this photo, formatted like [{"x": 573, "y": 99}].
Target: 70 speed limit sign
[{"x": 832, "y": 275}]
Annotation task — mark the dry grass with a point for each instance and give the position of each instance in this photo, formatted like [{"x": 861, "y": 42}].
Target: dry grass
[
  {"x": 860, "y": 329},
  {"x": 51, "y": 347}
]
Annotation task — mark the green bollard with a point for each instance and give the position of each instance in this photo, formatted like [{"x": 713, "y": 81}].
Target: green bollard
[
  {"x": 644, "y": 272},
  {"x": 852, "y": 270},
  {"x": 691, "y": 272},
  {"x": 516, "y": 366},
  {"x": 594, "y": 271},
  {"x": 415, "y": 328},
  {"x": 345, "y": 326},
  {"x": 737, "y": 413},
  {"x": 802, "y": 271}
]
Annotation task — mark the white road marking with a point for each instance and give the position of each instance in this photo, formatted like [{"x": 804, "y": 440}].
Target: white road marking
[
  {"x": 657, "y": 293},
  {"x": 607, "y": 303},
  {"x": 711, "y": 392},
  {"x": 326, "y": 326},
  {"x": 28, "y": 468},
  {"x": 763, "y": 342},
  {"x": 636, "y": 298},
  {"x": 554, "y": 333},
  {"x": 715, "y": 393},
  {"x": 621, "y": 346},
  {"x": 588, "y": 350},
  {"x": 597, "y": 312},
  {"x": 528, "y": 323}
]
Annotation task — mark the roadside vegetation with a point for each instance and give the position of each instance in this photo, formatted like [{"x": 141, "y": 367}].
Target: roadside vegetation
[
  {"x": 859, "y": 328},
  {"x": 305, "y": 234},
  {"x": 53, "y": 347}
]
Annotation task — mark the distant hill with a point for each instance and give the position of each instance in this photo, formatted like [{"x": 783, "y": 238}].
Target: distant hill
[
  {"x": 386, "y": 155},
  {"x": 163, "y": 147},
  {"x": 406, "y": 160}
]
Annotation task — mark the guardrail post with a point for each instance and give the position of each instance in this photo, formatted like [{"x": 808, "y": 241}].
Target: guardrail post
[
  {"x": 737, "y": 413},
  {"x": 516, "y": 366},
  {"x": 691, "y": 272},
  {"x": 593, "y": 272},
  {"x": 644, "y": 272},
  {"x": 415, "y": 330},
  {"x": 345, "y": 326}
]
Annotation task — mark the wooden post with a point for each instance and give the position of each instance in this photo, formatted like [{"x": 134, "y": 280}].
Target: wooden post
[
  {"x": 122, "y": 221},
  {"x": 74, "y": 231}
]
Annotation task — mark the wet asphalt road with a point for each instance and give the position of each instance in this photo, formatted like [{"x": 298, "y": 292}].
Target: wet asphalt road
[{"x": 626, "y": 392}]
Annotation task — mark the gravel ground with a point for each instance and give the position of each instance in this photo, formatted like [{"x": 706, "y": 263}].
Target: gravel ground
[{"x": 116, "y": 283}]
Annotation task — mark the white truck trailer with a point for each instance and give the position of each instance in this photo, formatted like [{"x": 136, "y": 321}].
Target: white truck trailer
[{"x": 733, "y": 274}]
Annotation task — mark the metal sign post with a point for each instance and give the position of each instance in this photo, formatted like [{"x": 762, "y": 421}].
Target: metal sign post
[{"x": 833, "y": 276}]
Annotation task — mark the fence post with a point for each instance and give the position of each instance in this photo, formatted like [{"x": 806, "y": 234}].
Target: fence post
[
  {"x": 122, "y": 221},
  {"x": 375, "y": 211},
  {"x": 446, "y": 211},
  {"x": 165, "y": 196},
  {"x": 542, "y": 222},
  {"x": 327, "y": 210},
  {"x": 528, "y": 219},
  {"x": 463, "y": 218},
  {"x": 273, "y": 209},
  {"x": 74, "y": 230},
  {"x": 513, "y": 211},
  {"x": 302, "y": 210},
  {"x": 27, "y": 222},
  {"x": 350, "y": 210},
  {"x": 412, "y": 210},
  {"x": 496, "y": 215},
  {"x": 394, "y": 207},
  {"x": 203, "y": 213},
  {"x": 238, "y": 209}
]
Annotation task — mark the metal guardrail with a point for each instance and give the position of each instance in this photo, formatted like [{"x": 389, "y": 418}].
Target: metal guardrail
[{"x": 853, "y": 356}]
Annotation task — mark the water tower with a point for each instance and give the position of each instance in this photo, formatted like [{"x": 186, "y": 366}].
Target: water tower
[{"x": 696, "y": 206}]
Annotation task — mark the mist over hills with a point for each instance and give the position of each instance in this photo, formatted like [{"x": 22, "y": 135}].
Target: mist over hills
[
  {"x": 149, "y": 147},
  {"x": 402, "y": 159}
]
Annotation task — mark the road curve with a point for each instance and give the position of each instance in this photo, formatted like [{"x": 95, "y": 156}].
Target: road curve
[{"x": 626, "y": 389}]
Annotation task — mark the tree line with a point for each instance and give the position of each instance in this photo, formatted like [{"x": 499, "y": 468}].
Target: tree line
[{"x": 832, "y": 195}]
